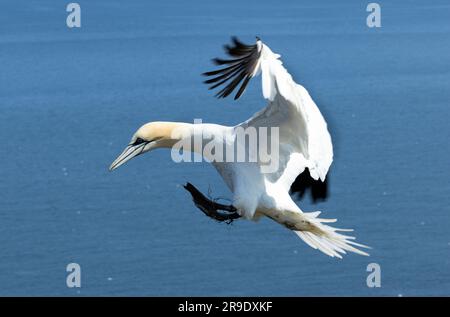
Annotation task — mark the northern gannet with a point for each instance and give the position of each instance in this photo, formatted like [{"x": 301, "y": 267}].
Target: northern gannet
[{"x": 303, "y": 142}]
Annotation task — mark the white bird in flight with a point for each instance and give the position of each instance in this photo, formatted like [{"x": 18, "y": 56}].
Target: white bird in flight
[{"x": 303, "y": 143}]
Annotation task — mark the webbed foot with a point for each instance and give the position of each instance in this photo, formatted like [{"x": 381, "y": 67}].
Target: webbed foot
[{"x": 210, "y": 207}]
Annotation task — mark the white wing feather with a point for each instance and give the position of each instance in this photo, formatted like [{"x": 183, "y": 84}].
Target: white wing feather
[
  {"x": 304, "y": 142},
  {"x": 304, "y": 138}
]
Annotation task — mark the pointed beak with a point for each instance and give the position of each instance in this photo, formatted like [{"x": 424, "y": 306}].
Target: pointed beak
[{"x": 127, "y": 154}]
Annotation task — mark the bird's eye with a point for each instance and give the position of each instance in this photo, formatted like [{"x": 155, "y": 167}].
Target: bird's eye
[{"x": 139, "y": 141}]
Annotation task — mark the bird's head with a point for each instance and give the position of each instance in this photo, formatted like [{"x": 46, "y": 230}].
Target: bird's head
[{"x": 150, "y": 136}]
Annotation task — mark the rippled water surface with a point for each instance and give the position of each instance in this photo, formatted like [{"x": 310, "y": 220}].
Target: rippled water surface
[{"x": 71, "y": 98}]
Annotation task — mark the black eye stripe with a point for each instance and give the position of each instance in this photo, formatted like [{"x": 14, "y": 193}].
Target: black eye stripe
[{"x": 139, "y": 141}]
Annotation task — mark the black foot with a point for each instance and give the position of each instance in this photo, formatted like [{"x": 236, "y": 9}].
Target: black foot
[{"x": 211, "y": 208}]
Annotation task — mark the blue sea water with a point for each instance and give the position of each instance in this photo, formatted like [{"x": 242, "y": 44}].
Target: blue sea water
[{"x": 71, "y": 98}]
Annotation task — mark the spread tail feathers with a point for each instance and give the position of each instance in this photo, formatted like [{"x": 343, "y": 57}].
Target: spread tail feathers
[{"x": 314, "y": 232}]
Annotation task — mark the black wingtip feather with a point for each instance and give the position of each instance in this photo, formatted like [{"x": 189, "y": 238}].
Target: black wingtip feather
[{"x": 242, "y": 64}]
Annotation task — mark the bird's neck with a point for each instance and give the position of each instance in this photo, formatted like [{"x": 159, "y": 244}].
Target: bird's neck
[{"x": 192, "y": 137}]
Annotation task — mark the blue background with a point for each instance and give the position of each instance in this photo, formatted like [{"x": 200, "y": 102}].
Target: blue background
[{"x": 70, "y": 99}]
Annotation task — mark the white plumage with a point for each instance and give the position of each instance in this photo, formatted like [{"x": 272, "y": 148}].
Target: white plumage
[{"x": 304, "y": 142}]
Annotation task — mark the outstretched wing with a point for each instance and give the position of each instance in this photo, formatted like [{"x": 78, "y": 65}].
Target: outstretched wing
[{"x": 304, "y": 140}]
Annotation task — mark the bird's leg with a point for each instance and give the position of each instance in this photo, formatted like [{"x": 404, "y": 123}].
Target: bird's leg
[{"x": 211, "y": 208}]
